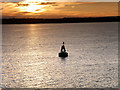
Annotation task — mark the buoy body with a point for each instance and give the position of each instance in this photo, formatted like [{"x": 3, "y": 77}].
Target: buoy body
[{"x": 63, "y": 54}]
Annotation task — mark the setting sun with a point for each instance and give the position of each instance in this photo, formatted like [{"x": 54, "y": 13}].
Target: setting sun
[{"x": 32, "y": 7}]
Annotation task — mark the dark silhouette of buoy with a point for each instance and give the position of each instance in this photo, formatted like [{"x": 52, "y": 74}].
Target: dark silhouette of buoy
[{"x": 63, "y": 52}]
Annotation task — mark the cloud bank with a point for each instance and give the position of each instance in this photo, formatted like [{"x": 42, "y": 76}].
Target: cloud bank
[{"x": 66, "y": 0}]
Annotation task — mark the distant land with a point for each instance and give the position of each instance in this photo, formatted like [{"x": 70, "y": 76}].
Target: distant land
[{"x": 61, "y": 20}]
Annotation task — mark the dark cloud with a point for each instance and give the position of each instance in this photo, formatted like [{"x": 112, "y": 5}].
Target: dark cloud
[
  {"x": 25, "y": 12},
  {"x": 46, "y": 3},
  {"x": 42, "y": 3},
  {"x": 22, "y": 4}
]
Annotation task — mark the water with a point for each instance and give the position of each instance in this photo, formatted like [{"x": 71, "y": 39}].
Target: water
[{"x": 30, "y": 55}]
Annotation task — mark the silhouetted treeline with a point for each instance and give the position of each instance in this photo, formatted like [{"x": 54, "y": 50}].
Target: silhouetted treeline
[{"x": 63, "y": 20}]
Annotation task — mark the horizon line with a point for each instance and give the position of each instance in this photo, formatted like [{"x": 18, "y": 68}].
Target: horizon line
[{"x": 62, "y": 17}]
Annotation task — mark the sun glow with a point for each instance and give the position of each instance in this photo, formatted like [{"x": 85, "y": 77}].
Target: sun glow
[
  {"x": 43, "y": 9},
  {"x": 31, "y": 6}
]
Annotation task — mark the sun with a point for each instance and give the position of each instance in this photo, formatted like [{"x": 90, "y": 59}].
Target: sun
[{"x": 32, "y": 6}]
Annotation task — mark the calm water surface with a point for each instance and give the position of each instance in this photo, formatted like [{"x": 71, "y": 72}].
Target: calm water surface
[{"x": 30, "y": 55}]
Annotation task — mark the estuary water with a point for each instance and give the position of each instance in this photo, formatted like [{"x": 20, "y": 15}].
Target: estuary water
[{"x": 30, "y": 55}]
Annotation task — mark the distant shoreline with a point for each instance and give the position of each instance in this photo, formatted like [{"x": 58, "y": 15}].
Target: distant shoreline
[{"x": 62, "y": 20}]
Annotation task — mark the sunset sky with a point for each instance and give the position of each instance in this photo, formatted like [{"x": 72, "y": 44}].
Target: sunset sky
[{"x": 52, "y": 9}]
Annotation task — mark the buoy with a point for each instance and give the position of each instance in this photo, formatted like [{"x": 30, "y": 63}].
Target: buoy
[{"x": 63, "y": 52}]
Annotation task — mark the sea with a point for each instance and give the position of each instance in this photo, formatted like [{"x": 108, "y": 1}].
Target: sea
[{"x": 30, "y": 55}]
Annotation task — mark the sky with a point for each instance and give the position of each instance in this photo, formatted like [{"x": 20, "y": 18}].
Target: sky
[
  {"x": 50, "y": 9},
  {"x": 67, "y": 0}
]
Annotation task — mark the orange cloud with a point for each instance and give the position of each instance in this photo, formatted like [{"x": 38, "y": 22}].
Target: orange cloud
[{"x": 58, "y": 9}]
